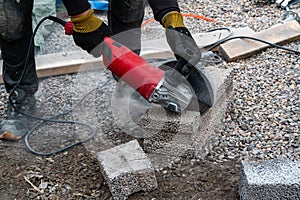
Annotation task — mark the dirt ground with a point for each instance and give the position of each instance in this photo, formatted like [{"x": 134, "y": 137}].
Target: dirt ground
[{"x": 76, "y": 174}]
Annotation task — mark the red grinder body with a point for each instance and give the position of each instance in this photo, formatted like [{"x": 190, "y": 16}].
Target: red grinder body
[{"x": 131, "y": 68}]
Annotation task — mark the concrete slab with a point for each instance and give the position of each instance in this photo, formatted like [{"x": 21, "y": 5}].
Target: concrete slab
[
  {"x": 127, "y": 170},
  {"x": 203, "y": 39},
  {"x": 274, "y": 179}
]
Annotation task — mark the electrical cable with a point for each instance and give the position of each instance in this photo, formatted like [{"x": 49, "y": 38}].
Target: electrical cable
[
  {"x": 26, "y": 138},
  {"x": 227, "y": 38},
  {"x": 50, "y": 119},
  {"x": 11, "y": 93},
  {"x": 256, "y": 39},
  {"x": 217, "y": 29},
  {"x": 184, "y": 15}
]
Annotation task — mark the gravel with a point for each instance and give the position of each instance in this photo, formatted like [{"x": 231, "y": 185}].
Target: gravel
[{"x": 262, "y": 119}]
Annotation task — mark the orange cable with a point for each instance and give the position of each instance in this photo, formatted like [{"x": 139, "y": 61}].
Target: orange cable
[{"x": 185, "y": 15}]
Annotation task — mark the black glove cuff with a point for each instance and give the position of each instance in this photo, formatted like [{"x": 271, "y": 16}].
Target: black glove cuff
[{"x": 75, "y": 7}]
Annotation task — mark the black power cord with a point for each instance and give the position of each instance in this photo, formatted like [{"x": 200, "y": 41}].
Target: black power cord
[
  {"x": 256, "y": 39},
  {"x": 50, "y": 119},
  {"x": 26, "y": 138}
]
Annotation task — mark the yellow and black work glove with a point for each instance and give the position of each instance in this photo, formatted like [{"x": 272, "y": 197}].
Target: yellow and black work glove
[
  {"x": 89, "y": 32},
  {"x": 180, "y": 39}
]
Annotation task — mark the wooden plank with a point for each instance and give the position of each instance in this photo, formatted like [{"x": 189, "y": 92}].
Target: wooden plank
[
  {"x": 72, "y": 62},
  {"x": 243, "y": 31},
  {"x": 62, "y": 63},
  {"x": 202, "y": 39},
  {"x": 243, "y": 48}
]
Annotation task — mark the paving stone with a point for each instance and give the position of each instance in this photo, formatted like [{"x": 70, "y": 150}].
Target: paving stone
[
  {"x": 273, "y": 179},
  {"x": 127, "y": 170}
]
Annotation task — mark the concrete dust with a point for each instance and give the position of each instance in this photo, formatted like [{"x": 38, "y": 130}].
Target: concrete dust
[{"x": 127, "y": 107}]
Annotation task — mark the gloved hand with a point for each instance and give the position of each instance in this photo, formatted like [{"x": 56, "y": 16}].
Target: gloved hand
[
  {"x": 89, "y": 32},
  {"x": 180, "y": 39}
]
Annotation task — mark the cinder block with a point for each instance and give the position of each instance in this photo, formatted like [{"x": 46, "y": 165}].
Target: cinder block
[
  {"x": 157, "y": 118},
  {"x": 169, "y": 133},
  {"x": 211, "y": 122},
  {"x": 187, "y": 134},
  {"x": 127, "y": 170},
  {"x": 168, "y": 143},
  {"x": 274, "y": 179}
]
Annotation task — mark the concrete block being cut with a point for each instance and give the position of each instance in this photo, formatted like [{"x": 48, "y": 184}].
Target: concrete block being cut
[
  {"x": 168, "y": 143},
  {"x": 169, "y": 133},
  {"x": 157, "y": 118},
  {"x": 275, "y": 179},
  {"x": 187, "y": 134},
  {"x": 127, "y": 170}
]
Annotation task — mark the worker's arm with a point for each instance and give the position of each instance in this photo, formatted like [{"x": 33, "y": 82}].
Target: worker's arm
[
  {"x": 88, "y": 30},
  {"x": 179, "y": 38}
]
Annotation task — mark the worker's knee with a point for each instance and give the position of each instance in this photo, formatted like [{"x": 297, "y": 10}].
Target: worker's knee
[
  {"x": 15, "y": 17},
  {"x": 128, "y": 11},
  {"x": 15, "y": 52},
  {"x": 161, "y": 8}
]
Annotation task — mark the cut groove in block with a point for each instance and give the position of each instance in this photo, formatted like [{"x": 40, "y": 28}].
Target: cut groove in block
[{"x": 157, "y": 118}]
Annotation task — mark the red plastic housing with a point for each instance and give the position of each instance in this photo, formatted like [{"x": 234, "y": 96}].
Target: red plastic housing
[
  {"x": 68, "y": 28},
  {"x": 131, "y": 68}
]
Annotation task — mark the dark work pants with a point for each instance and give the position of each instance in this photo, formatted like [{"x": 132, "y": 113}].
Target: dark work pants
[
  {"x": 126, "y": 16},
  {"x": 15, "y": 34}
]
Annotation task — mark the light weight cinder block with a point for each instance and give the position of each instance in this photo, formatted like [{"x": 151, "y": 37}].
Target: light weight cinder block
[
  {"x": 169, "y": 133},
  {"x": 127, "y": 170},
  {"x": 171, "y": 144},
  {"x": 269, "y": 180},
  {"x": 187, "y": 134},
  {"x": 157, "y": 118}
]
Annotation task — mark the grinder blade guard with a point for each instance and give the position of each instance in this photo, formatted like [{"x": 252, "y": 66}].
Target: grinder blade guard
[{"x": 201, "y": 82}]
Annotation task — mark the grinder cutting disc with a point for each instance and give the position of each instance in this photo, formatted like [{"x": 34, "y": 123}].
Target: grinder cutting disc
[{"x": 201, "y": 82}]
